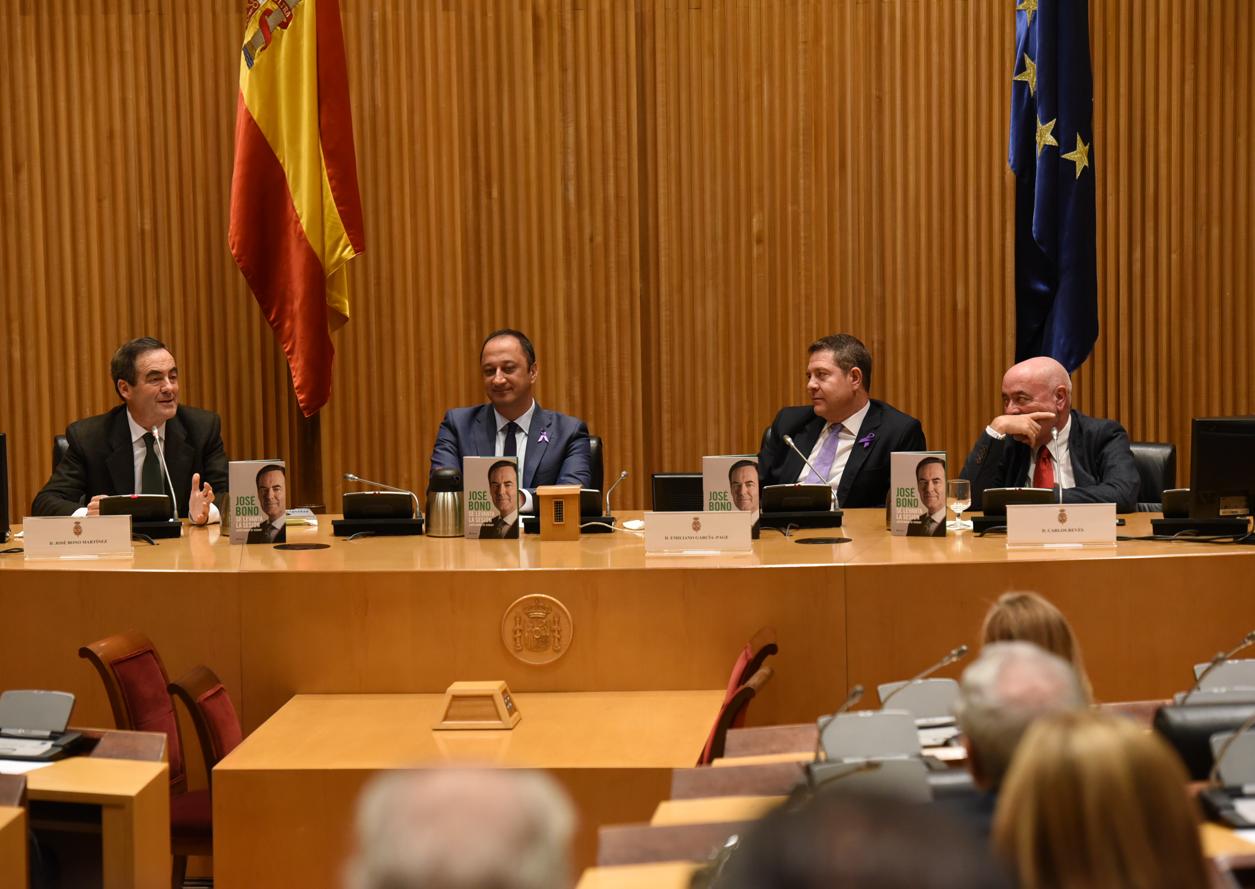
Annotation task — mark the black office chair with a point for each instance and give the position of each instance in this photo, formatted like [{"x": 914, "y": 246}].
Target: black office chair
[
  {"x": 596, "y": 463},
  {"x": 1156, "y": 463},
  {"x": 60, "y": 447}
]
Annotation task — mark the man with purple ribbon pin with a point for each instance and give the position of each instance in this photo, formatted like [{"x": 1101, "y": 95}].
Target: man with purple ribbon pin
[
  {"x": 551, "y": 447},
  {"x": 847, "y": 435}
]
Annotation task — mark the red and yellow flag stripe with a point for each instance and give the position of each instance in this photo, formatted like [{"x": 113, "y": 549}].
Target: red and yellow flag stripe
[{"x": 296, "y": 214}]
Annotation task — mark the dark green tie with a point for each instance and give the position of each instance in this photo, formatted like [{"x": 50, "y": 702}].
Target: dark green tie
[{"x": 150, "y": 476}]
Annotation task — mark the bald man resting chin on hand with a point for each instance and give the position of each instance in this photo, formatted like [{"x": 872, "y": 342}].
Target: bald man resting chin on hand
[{"x": 1089, "y": 459}]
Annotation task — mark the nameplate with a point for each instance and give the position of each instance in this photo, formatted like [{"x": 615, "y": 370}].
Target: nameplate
[
  {"x": 66, "y": 537},
  {"x": 1061, "y": 524},
  {"x": 697, "y": 533}
]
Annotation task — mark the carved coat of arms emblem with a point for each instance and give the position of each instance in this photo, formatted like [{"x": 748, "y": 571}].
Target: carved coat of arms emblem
[{"x": 537, "y": 629}]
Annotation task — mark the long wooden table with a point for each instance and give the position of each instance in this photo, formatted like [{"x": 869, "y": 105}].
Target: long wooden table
[
  {"x": 414, "y": 614},
  {"x": 284, "y": 799}
]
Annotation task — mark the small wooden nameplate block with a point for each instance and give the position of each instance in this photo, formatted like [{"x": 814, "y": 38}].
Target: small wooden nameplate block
[
  {"x": 479, "y": 705},
  {"x": 559, "y": 512}
]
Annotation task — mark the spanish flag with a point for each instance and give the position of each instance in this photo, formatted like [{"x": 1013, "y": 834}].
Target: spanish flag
[{"x": 296, "y": 215}]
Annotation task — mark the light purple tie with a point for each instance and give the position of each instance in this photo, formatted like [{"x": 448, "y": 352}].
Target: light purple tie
[{"x": 823, "y": 460}]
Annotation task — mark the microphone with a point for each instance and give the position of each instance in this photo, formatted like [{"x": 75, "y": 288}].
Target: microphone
[
  {"x": 622, "y": 476},
  {"x": 350, "y": 477},
  {"x": 788, "y": 439},
  {"x": 1054, "y": 455},
  {"x": 1220, "y": 658},
  {"x": 856, "y": 693},
  {"x": 161, "y": 458},
  {"x": 1214, "y": 776},
  {"x": 952, "y": 655}
]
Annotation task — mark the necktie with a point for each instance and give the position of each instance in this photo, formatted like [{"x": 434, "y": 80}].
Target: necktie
[
  {"x": 1044, "y": 472},
  {"x": 511, "y": 448},
  {"x": 150, "y": 475},
  {"x": 824, "y": 459}
]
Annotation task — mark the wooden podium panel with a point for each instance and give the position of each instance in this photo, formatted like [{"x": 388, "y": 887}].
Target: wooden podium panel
[
  {"x": 284, "y": 799},
  {"x": 134, "y": 801}
]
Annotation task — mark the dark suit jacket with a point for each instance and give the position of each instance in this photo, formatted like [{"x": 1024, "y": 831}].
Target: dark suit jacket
[
  {"x": 557, "y": 445},
  {"x": 1102, "y": 464},
  {"x": 916, "y": 529},
  {"x": 100, "y": 460},
  {"x": 865, "y": 481}
]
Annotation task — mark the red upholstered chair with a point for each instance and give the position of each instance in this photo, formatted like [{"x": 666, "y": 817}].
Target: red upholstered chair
[
  {"x": 136, "y": 682},
  {"x": 213, "y": 714},
  {"x": 748, "y": 661},
  {"x": 733, "y": 714}
]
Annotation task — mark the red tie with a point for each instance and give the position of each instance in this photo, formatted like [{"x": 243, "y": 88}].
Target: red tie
[{"x": 1044, "y": 472}]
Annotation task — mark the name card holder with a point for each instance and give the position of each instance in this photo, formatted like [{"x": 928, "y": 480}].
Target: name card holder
[
  {"x": 479, "y": 705},
  {"x": 698, "y": 533},
  {"x": 86, "y": 537},
  {"x": 1061, "y": 525}
]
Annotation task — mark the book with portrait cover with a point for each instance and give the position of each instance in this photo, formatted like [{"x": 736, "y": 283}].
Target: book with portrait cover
[
  {"x": 730, "y": 483},
  {"x": 257, "y": 501},
  {"x": 491, "y": 486},
  {"x": 917, "y": 493}
]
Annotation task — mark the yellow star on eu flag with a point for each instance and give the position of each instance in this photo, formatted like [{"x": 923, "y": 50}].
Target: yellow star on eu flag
[
  {"x": 1044, "y": 137},
  {"x": 1080, "y": 157},
  {"x": 1028, "y": 7},
  {"x": 1028, "y": 75}
]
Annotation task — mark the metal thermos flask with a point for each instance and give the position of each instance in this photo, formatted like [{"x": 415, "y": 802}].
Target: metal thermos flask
[{"x": 444, "y": 504}]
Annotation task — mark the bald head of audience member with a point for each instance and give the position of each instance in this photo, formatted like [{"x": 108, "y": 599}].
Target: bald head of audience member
[
  {"x": 462, "y": 829},
  {"x": 857, "y": 842},
  {"x": 1001, "y": 693}
]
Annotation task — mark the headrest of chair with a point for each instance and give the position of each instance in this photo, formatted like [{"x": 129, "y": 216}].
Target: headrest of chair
[{"x": 1189, "y": 729}]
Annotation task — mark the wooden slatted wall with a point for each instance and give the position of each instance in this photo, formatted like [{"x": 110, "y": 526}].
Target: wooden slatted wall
[{"x": 672, "y": 196}]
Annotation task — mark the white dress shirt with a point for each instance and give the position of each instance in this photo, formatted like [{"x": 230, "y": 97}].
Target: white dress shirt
[
  {"x": 845, "y": 446},
  {"x": 520, "y": 439}
]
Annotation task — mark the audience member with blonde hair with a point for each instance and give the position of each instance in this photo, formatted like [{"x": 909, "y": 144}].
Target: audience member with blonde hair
[
  {"x": 1094, "y": 801},
  {"x": 1027, "y": 617}
]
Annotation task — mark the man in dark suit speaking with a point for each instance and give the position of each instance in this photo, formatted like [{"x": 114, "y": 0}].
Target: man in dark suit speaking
[
  {"x": 846, "y": 435},
  {"x": 1089, "y": 459},
  {"x": 117, "y": 453},
  {"x": 552, "y": 448}
]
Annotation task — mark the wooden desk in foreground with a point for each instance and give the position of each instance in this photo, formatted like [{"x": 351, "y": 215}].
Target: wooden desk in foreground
[
  {"x": 13, "y": 846},
  {"x": 284, "y": 799},
  {"x": 134, "y": 802}
]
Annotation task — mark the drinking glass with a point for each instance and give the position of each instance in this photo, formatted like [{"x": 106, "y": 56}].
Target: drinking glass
[{"x": 958, "y": 498}]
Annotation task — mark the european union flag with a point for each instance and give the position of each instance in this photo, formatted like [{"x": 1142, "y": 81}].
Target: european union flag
[{"x": 1052, "y": 110}]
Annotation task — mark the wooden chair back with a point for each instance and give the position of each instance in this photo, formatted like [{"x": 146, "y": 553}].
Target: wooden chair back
[
  {"x": 136, "y": 682},
  {"x": 215, "y": 717}
]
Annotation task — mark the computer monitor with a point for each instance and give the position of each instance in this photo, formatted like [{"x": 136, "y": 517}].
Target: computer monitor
[{"x": 1222, "y": 474}]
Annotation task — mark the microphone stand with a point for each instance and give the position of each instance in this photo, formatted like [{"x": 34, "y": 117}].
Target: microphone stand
[
  {"x": 1220, "y": 658},
  {"x": 953, "y": 655},
  {"x": 622, "y": 476},
  {"x": 350, "y": 477},
  {"x": 161, "y": 458},
  {"x": 788, "y": 439}
]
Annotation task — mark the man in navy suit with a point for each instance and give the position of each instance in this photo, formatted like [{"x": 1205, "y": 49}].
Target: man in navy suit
[
  {"x": 1089, "y": 459},
  {"x": 846, "y": 435},
  {"x": 552, "y": 448}
]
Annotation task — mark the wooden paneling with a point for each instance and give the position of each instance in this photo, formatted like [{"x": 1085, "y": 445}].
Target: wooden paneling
[{"x": 672, "y": 196}]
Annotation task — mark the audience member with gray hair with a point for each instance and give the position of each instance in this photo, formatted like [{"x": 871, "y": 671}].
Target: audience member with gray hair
[
  {"x": 460, "y": 828},
  {"x": 1000, "y": 695}
]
